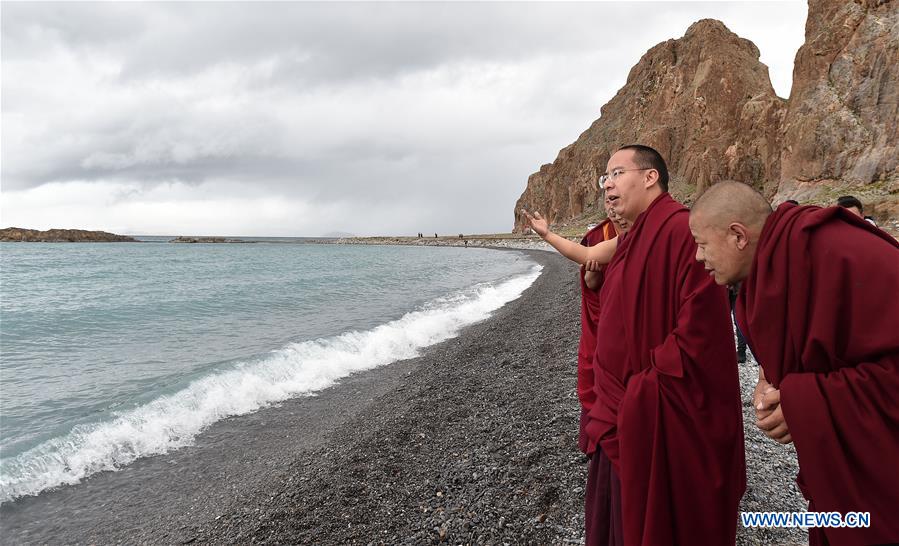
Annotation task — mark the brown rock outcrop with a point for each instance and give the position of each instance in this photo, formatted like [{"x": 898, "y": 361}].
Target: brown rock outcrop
[
  {"x": 704, "y": 101},
  {"x": 184, "y": 239},
  {"x": 841, "y": 129},
  {"x": 14, "y": 234}
]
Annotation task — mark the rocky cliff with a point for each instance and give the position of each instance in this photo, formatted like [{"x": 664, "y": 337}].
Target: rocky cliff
[
  {"x": 61, "y": 236},
  {"x": 705, "y": 101},
  {"x": 841, "y": 128}
]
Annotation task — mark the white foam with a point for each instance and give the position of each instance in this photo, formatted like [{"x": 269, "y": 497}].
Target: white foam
[{"x": 173, "y": 421}]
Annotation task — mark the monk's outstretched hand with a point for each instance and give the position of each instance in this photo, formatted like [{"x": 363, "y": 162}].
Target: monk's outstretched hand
[
  {"x": 537, "y": 223},
  {"x": 774, "y": 425}
]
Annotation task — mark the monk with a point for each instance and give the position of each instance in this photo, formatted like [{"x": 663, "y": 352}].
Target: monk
[
  {"x": 591, "y": 282},
  {"x": 819, "y": 306},
  {"x": 667, "y": 418}
]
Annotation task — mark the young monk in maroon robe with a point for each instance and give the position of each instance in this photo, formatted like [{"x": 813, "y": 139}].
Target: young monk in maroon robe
[
  {"x": 591, "y": 282},
  {"x": 819, "y": 306},
  {"x": 667, "y": 414}
]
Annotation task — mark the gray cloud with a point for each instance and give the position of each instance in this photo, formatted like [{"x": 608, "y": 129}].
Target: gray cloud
[
  {"x": 315, "y": 41},
  {"x": 435, "y": 112}
]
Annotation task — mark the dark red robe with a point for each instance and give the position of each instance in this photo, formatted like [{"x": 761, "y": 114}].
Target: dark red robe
[
  {"x": 587, "y": 345},
  {"x": 820, "y": 309},
  {"x": 668, "y": 411}
]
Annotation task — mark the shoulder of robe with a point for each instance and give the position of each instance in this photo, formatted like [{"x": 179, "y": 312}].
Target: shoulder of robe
[{"x": 595, "y": 234}]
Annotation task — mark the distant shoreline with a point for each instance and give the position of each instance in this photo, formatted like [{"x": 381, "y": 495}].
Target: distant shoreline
[
  {"x": 481, "y": 241},
  {"x": 498, "y": 240},
  {"x": 21, "y": 235}
]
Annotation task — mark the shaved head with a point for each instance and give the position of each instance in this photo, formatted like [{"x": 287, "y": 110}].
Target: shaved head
[
  {"x": 727, "y": 202},
  {"x": 726, "y": 222}
]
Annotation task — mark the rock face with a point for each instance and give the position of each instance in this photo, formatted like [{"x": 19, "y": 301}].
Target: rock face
[
  {"x": 842, "y": 122},
  {"x": 706, "y": 103},
  {"x": 62, "y": 236}
]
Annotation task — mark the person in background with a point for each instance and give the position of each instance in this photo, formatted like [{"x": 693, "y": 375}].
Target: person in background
[
  {"x": 591, "y": 282},
  {"x": 741, "y": 341},
  {"x": 854, "y": 206}
]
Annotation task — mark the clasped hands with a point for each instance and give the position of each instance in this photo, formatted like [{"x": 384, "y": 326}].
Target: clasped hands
[{"x": 768, "y": 412}]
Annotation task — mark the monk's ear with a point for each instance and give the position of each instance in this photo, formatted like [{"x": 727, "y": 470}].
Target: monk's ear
[
  {"x": 652, "y": 177},
  {"x": 739, "y": 234}
]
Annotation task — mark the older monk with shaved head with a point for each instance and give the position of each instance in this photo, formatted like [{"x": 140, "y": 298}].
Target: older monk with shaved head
[{"x": 819, "y": 306}]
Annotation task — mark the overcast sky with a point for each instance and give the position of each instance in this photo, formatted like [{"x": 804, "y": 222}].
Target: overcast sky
[{"x": 300, "y": 119}]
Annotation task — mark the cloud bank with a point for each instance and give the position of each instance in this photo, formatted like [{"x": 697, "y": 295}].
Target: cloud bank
[{"x": 297, "y": 119}]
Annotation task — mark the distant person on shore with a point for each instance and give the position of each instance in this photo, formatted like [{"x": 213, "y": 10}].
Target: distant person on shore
[
  {"x": 669, "y": 467},
  {"x": 819, "y": 305},
  {"x": 854, "y": 206}
]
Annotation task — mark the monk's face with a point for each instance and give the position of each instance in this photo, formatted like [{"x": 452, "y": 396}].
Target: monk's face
[
  {"x": 621, "y": 225},
  {"x": 855, "y": 211},
  {"x": 722, "y": 248},
  {"x": 630, "y": 187}
]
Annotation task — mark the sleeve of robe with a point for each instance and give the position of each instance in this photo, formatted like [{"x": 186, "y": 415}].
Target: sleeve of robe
[
  {"x": 584, "y": 362},
  {"x": 680, "y": 421},
  {"x": 847, "y": 415},
  {"x": 587, "y": 343}
]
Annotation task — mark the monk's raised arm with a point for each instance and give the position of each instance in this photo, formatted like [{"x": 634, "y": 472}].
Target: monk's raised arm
[{"x": 601, "y": 252}]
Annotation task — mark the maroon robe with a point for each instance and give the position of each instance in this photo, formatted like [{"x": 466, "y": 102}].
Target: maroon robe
[
  {"x": 602, "y": 503},
  {"x": 668, "y": 412},
  {"x": 820, "y": 310},
  {"x": 587, "y": 345}
]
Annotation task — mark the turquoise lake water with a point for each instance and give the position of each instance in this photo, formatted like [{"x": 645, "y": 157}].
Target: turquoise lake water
[{"x": 110, "y": 352}]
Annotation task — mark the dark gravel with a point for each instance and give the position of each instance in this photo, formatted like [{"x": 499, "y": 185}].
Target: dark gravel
[
  {"x": 474, "y": 442},
  {"x": 771, "y": 470},
  {"x": 477, "y": 445}
]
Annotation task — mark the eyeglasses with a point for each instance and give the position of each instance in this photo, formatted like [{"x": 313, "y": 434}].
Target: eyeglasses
[{"x": 615, "y": 174}]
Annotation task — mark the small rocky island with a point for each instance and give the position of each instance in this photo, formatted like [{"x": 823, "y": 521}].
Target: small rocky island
[
  {"x": 183, "y": 239},
  {"x": 21, "y": 235}
]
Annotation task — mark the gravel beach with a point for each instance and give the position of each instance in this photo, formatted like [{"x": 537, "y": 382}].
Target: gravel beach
[{"x": 473, "y": 442}]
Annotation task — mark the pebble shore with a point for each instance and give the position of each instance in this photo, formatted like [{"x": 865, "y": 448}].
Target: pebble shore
[{"x": 473, "y": 442}]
